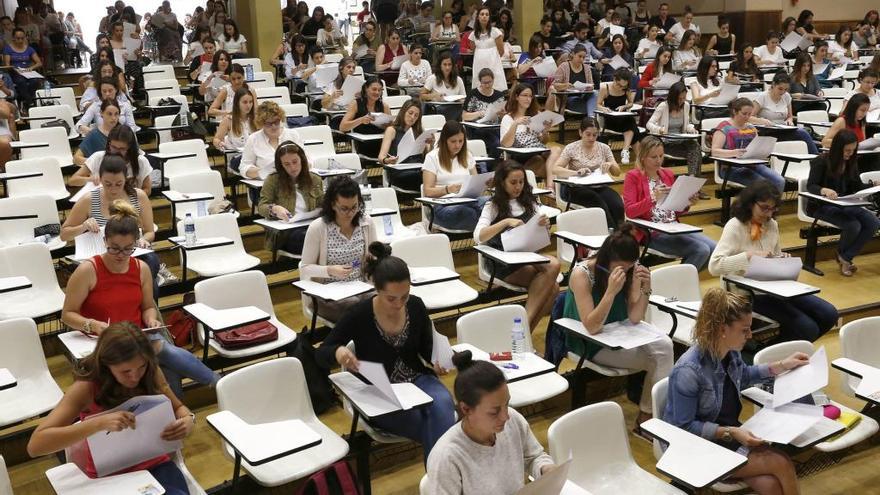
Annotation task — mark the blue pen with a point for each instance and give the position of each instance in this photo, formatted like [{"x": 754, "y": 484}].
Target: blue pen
[{"x": 510, "y": 366}]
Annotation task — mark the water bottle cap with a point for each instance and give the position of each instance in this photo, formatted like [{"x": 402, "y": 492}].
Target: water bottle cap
[
  {"x": 517, "y": 320},
  {"x": 189, "y": 214}
]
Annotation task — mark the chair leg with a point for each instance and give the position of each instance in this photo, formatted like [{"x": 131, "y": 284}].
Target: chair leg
[{"x": 810, "y": 254}]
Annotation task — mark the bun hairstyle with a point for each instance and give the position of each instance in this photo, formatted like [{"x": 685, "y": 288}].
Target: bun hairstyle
[
  {"x": 475, "y": 379},
  {"x": 382, "y": 268},
  {"x": 719, "y": 307},
  {"x": 124, "y": 220},
  {"x": 621, "y": 245}
]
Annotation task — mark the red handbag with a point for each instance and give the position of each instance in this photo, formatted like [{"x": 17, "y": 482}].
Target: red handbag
[{"x": 247, "y": 336}]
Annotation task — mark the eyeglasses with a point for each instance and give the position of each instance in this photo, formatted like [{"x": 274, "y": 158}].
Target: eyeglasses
[
  {"x": 768, "y": 209},
  {"x": 277, "y": 123},
  {"x": 347, "y": 209},
  {"x": 115, "y": 250}
]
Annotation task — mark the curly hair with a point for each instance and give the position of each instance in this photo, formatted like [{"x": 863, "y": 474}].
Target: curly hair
[{"x": 719, "y": 307}]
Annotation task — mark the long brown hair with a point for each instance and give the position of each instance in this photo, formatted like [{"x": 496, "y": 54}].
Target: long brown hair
[
  {"x": 304, "y": 179},
  {"x": 399, "y": 121},
  {"x": 236, "y": 112},
  {"x": 513, "y": 103},
  {"x": 452, "y": 128},
  {"x": 119, "y": 343},
  {"x": 501, "y": 199},
  {"x": 718, "y": 308}
]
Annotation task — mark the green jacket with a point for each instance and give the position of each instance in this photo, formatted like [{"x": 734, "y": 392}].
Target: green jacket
[{"x": 271, "y": 194}]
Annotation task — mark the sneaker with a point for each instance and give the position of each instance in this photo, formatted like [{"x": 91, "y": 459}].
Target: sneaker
[
  {"x": 165, "y": 276},
  {"x": 624, "y": 155}
]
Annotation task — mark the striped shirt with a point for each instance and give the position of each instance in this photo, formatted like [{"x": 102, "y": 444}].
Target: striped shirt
[
  {"x": 736, "y": 138},
  {"x": 95, "y": 209}
]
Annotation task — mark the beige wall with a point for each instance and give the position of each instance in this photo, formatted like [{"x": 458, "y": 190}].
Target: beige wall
[
  {"x": 824, "y": 10},
  {"x": 260, "y": 22}
]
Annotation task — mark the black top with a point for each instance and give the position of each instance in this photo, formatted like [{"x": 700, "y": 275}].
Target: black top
[
  {"x": 311, "y": 27},
  {"x": 750, "y": 70},
  {"x": 578, "y": 76},
  {"x": 665, "y": 26},
  {"x": 820, "y": 178},
  {"x": 731, "y": 406},
  {"x": 724, "y": 45},
  {"x": 399, "y": 132},
  {"x": 361, "y": 111},
  {"x": 358, "y": 324},
  {"x": 477, "y": 101}
]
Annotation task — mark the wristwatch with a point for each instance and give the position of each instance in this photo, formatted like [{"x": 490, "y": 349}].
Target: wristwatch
[
  {"x": 192, "y": 416},
  {"x": 725, "y": 435}
]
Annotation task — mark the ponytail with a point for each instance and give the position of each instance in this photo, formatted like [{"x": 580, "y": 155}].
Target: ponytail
[{"x": 719, "y": 307}]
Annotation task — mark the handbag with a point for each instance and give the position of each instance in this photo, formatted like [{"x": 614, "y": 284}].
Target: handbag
[
  {"x": 57, "y": 123},
  {"x": 247, "y": 336}
]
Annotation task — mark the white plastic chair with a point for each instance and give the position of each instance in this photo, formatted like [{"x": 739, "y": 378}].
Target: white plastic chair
[
  {"x": 5, "y": 484},
  {"x": 282, "y": 395},
  {"x": 547, "y": 211},
  {"x": 164, "y": 121},
  {"x": 255, "y": 63},
  {"x": 262, "y": 80},
  {"x": 377, "y": 434},
  {"x": 158, "y": 72},
  {"x": 683, "y": 282},
  {"x": 235, "y": 290},
  {"x": 803, "y": 216},
  {"x": 808, "y": 117},
  {"x": 318, "y": 140},
  {"x": 59, "y": 146},
  {"x": 295, "y": 110},
  {"x": 426, "y": 213},
  {"x": 584, "y": 221},
  {"x": 184, "y": 166},
  {"x": 346, "y": 160},
  {"x": 221, "y": 260},
  {"x": 595, "y": 436},
  {"x": 38, "y": 116},
  {"x": 659, "y": 396},
  {"x": 200, "y": 182},
  {"x": 50, "y": 183},
  {"x": 332, "y": 58},
  {"x": 395, "y": 102},
  {"x": 21, "y": 230},
  {"x": 859, "y": 342},
  {"x": 424, "y": 485},
  {"x": 386, "y": 197},
  {"x": 154, "y": 100},
  {"x": 796, "y": 170},
  {"x": 433, "y": 250},
  {"x": 36, "y": 391},
  {"x": 278, "y": 94},
  {"x": 58, "y": 96},
  {"x": 434, "y": 122},
  {"x": 161, "y": 88},
  {"x": 862, "y": 430},
  {"x": 477, "y": 147},
  {"x": 706, "y": 127},
  {"x": 488, "y": 329}
]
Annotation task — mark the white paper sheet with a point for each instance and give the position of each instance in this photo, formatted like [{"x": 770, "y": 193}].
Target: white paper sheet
[
  {"x": 581, "y": 86},
  {"x": 263, "y": 440},
  {"x": 334, "y": 291},
  {"x": 380, "y": 118},
  {"x": 350, "y": 87},
  {"x": 622, "y": 335},
  {"x": 452, "y": 98},
  {"x": 819, "y": 68},
  {"x": 441, "y": 352},
  {"x": 671, "y": 227},
  {"x": 70, "y": 480},
  {"x": 728, "y": 93},
  {"x": 90, "y": 244},
  {"x": 530, "y": 236},
  {"x": 30, "y": 74},
  {"x": 617, "y": 62},
  {"x": 410, "y": 145},
  {"x": 360, "y": 51},
  {"x": 473, "y": 186},
  {"x": 112, "y": 452},
  {"x": 864, "y": 193},
  {"x": 783, "y": 424},
  {"x": 549, "y": 484},
  {"x": 306, "y": 216},
  {"x": 546, "y": 68},
  {"x": 375, "y": 373},
  {"x": 398, "y": 61},
  {"x": 131, "y": 45},
  {"x": 803, "y": 380},
  {"x": 512, "y": 258},
  {"x": 679, "y": 196},
  {"x": 794, "y": 41},
  {"x": 593, "y": 178},
  {"x": 837, "y": 72},
  {"x": 869, "y": 144},
  {"x": 325, "y": 74},
  {"x": 759, "y": 149},
  {"x": 536, "y": 122},
  {"x": 761, "y": 268},
  {"x": 667, "y": 80},
  {"x": 119, "y": 57},
  {"x": 492, "y": 111}
]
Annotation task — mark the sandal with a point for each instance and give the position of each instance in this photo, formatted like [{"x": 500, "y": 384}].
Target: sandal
[{"x": 845, "y": 267}]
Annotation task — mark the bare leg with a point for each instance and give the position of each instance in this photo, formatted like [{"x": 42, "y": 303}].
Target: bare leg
[
  {"x": 541, "y": 283},
  {"x": 764, "y": 463},
  {"x": 627, "y": 139}
]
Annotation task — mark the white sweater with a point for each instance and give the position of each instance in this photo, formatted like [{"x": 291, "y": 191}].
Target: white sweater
[{"x": 729, "y": 256}]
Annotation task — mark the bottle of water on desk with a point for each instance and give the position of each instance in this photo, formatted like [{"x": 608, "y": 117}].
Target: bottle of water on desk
[
  {"x": 183, "y": 114},
  {"x": 47, "y": 89},
  {"x": 518, "y": 337},
  {"x": 189, "y": 230},
  {"x": 368, "y": 198}
]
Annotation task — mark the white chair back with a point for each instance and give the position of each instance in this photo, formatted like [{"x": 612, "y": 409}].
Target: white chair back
[
  {"x": 295, "y": 110},
  {"x": 282, "y": 394},
  {"x": 59, "y": 146},
  {"x": 158, "y": 72},
  {"x": 5, "y": 484},
  {"x": 209, "y": 181},
  {"x": 14, "y": 232},
  {"x": 477, "y": 147},
  {"x": 425, "y": 250},
  {"x": 795, "y": 170},
  {"x": 234, "y": 290},
  {"x": 489, "y": 329},
  {"x": 434, "y": 122},
  {"x": 161, "y": 88},
  {"x": 583, "y": 221},
  {"x": 782, "y": 350},
  {"x": 859, "y": 341},
  {"x": 22, "y": 354},
  {"x": 683, "y": 282},
  {"x": 278, "y": 94},
  {"x": 183, "y": 166},
  {"x": 51, "y": 182},
  {"x": 262, "y": 80},
  {"x": 318, "y": 140},
  {"x": 57, "y": 96},
  {"x": 397, "y": 101},
  {"x": 347, "y": 160},
  {"x": 38, "y": 116},
  {"x": 164, "y": 121},
  {"x": 255, "y": 63},
  {"x": 386, "y": 197}
]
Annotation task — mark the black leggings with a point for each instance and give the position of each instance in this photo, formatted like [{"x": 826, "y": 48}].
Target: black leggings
[{"x": 600, "y": 197}]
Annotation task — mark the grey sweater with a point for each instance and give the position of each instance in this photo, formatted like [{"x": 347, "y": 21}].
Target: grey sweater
[{"x": 458, "y": 465}]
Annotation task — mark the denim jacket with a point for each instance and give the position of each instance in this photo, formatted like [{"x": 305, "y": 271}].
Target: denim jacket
[{"x": 696, "y": 387}]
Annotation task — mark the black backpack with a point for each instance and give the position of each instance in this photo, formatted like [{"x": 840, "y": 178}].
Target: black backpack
[{"x": 320, "y": 389}]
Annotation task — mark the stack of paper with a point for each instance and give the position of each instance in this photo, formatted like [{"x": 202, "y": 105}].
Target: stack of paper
[
  {"x": 618, "y": 62},
  {"x": 378, "y": 378},
  {"x": 380, "y": 118},
  {"x": 529, "y": 237},
  {"x": 325, "y": 74},
  {"x": 492, "y": 112},
  {"x": 593, "y": 178},
  {"x": 441, "y": 351},
  {"x": 761, "y": 268}
]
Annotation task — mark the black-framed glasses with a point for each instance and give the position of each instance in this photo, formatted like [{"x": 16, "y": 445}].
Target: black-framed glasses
[
  {"x": 768, "y": 209},
  {"x": 116, "y": 250}
]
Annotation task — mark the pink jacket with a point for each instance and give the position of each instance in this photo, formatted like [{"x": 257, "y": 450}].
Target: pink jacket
[{"x": 637, "y": 199}]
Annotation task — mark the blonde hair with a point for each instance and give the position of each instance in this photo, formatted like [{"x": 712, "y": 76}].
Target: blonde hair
[
  {"x": 124, "y": 220},
  {"x": 719, "y": 307},
  {"x": 645, "y": 146},
  {"x": 266, "y": 111}
]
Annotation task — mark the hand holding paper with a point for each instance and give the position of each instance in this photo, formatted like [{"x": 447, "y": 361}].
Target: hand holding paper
[
  {"x": 537, "y": 123},
  {"x": 529, "y": 237},
  {"x": 761, "y": 268},
  {"x": 679, "y": 196}
]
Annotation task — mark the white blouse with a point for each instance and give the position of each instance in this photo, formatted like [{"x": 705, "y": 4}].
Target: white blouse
[
  {"x": 455, "y": 175},
  {"x": 234, "y": 45}
]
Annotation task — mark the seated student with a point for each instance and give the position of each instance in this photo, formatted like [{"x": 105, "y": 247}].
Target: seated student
[
  {"x": 91, "y": 94},
  {"x": 684, "y": 25},
  {"x": 525, "y": 70},
  {"x": 222, "y": 105},
  {"x": 306, "y": 74},
  {"x": 409, "y": 119},
  {"x": 258, "y": 157},
  {"x": 114, "y": 287},
  {"x": 836, "y": 173},
  {"x": 290, "y": 191},
  {"x": 334, "y": 91},
  {"x": 752, "y": 231},
  {"x": 215, "y": 79},
  {"x": 236, "y": 127},
  {"x": 584, "y": 157},
  {"x": 335, "y": 247},
  {"x": 773, "y": 106},
  {"x": 387, "y": 52},
  {"x": 545, "y": 33},
  {"x": 359, "y": 115},
  {"x": 415, "y": 70},
  {"x": 612, "y": 287},
  {"x": 490, "y": 448},
  {"x": 19, "y": 54},
  {"x": 575, "y": 70},
  {"x": 194, "y": 55},
  {"x": 708, "y": 86},
  {"x": 445, "y": 31},
  {"x": 512, "y": 205},
  {"x": 863, "y": 37},
  {"x": 445, "y": 82},
  {"x": 730, "y": 140},
  {"x": 124, "y": 365},
  {"x": 108, "y": 91},
  {"x": 232, "y": 41},
  {"x": 476, "y": 106},
  {"x": 723, "y": 42},
  {"x": 393, "y": 328},
  {"x": 648, "y": 45},
  {"x": 842, "y": 47},
  {"x": 770, "y": 53},
  {"x": 617, "y": 48},
  {"x": 820, "y": 58},
  {"x": 617, "y": 96},
  {"x": 122, "y": 142},
  {"x": 444, "y": 171},
  {"x": 605, "y": 33},
  {"x": 662, "y": 64},
  {"x": 297, "y": 59},
  {"x": 330, "y": 38},
  {"x": 581, "y": 38},
  {"x": 805, "y": 26},
  {"x": 745, "y": 65},
  {"x": 672, "y": 116},
  {"x": 804, "y": 85},
  {"x": 371, "y": 40},
  {"x": 853, "y": 117},
  {"x": 201, "y": 64},
  {"x": 644, "y": 188},
  {"x": 867, "y": 81},
  {"x": 705, "y": 386},
  {"x": 687, "y": 55},
  {"x": 96, "y": 139},
  {"x": 515, "y": 131}
]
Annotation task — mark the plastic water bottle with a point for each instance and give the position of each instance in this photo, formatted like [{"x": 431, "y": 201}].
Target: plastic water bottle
[
  {"x": 368, "y": 198},
  {"x": 389, "y": 226},
  {"x": 183, "y": 114},
  {"x": 47, "y": 88},
  {"x": 189, "y": 230},
  {"x": 249, "y": 72},
  {"x": 518, "y": 337}
]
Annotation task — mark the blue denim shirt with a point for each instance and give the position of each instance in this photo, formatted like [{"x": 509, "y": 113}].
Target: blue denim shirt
[{"x": 696, "y": 386}]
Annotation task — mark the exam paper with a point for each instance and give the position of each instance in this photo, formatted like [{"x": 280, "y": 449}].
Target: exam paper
[
  {"x": 474, "y": 185},
  {"x": 803, "y": 380},
  {"x": 119, "y": 57},
  {"x": 90, "y": 244},
  {"x": 667, "y": 80},
  {"x": 451, "y": 98},
  {"x": 410, "y": 145},
  {"x": 334, "y": 291},
  {"x": 728, "y": 93},
  {"x": 593, "y": 178},
  {"x": 536, "y": 122},
  {"x": 304, "y": 216},
  {"x": 360, "y": 51},
  {"x": 617, "y": 62},
  {"x": 530, "y": 236},
  {"x": 492, "y": 112},
  {"x": 837, "y": 73},
  {"x": 863, "y": 194},
  {"x": 761, "y": 268},
  {"x": 783, "y": 424},
  {"x": 350, "y": 87},
  {"x": 679, "y": 196},
  {"x": 546, "y": 68},
  {"x": 398, "y": 61},
  {"x": 131, "y": 45},
  {"x": 441, "y": 351},
  {"x": 869, "y": 144},
  {"x": 112, "y": 452},
  {"x": 794, "y": 41},
  {"x": 759, "y": 149},
  {"x": 376, "y": 375},
  {"x": 581, "y": 86},
  {"x": 381, "y": 118},
  {"x": 325, "y": 74},
  {"x": 551, "y": 483}
]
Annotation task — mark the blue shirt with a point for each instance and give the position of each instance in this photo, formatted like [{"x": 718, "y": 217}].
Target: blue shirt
[
  {"x": 696, "y": 387},
  {"x": 21, "y": 60},
  {"x": 593, "y": 53},
  {"x": 94, "y": 141}
]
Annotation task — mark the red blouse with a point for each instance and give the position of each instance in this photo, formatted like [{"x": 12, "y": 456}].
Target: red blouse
[{"x": 116, "y": 296}]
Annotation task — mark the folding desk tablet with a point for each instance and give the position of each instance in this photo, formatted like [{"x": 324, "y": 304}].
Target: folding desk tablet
[
  {"x": 332, "y": 291},
  {"x": 202, "y": 243},
  {"x": 497, "y": 257},
  {"x": 68, "y": 479},
  {"x": 219, "y": 320}
]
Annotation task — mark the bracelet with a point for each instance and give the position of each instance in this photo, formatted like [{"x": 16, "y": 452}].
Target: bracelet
[
  {"x": 647, "y": 292},
  {"x": 446, "y": 188},
  {"x": 87, "y": 326}
]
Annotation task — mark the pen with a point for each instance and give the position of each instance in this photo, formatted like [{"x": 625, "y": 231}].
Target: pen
[{"x": 131, "y": 410}]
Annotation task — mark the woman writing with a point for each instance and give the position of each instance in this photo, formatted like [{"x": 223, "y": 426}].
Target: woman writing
[
  {"x": 512, "y": 205},
  {"x": 618, "y": 48},
  {"x": 96, "y": 139},
  {"x": 488, "y": 42},
  {"x": 445, "y": 80},
  {"x": 446, "y": 31},
  {"x": 516, "y": 132},
  {"x": 92, "y": 93},
  {"x": 752, "y": 231},
  {"x": 528, "y": 59},
  {"x": 123, "y": 365},
  {"x": 360, "y": 115},
  {"x": 492, "y": 446},
  {"x": 745, "y": 65},
  {"x": 258, "y": 157},
  {"x": 236, "y": 127},
  {"x": 723, "y": 42},
  {"x": 705, "y": 386},
  {"x": 708, "y": 86},
  {"x": 773, "y": 106},
  {"x": 393, "y": 328},
  {"x": 613, "y": 287},
  {"x": 644, "y": 188},
  {"x": 200, "y": 67},
  {"x": 121, "y": 142},
  {"x": 19, "y": 54},
  {"x": 867, "y": 86},
  {"x": 661, "y": 65},
  {"x": 687, "y": 55},
  {"x": 833, "y": 174},
  {"x": 585, "y": 157},
  {"x": 672, "y": 117},
  {"x": 415, "y": 71},
  {"x": 770, "y": 53},
  {"x": 409, "y": 119},
  {"x": 330, "y": 38},
  {"x": 292, "y": 190},
  {"x": 648, "y": 46}
]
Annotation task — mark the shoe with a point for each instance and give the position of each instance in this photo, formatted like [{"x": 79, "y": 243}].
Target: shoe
[
  {"x": 624, "y": 155},
  {"x": 165, "y": 276},
  {"x": 845, "y": 267},
  {"x": 703, "y": 196}
]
